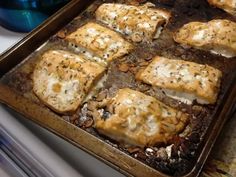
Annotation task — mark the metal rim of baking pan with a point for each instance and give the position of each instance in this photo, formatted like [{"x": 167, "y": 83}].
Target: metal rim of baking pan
[{"x": 80, "y": 138}]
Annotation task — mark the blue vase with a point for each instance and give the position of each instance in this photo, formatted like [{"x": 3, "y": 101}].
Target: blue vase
[{"x": 25, "y": 15}]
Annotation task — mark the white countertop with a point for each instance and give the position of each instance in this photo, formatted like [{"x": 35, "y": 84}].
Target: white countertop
[
  {"x": 8, "y": 38},
  {"x": 58, "y": 156}
]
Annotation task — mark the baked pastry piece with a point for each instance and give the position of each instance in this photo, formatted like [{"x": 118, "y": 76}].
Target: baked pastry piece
[
  {"x": 217, "y": 36},
  {"x": 227, "y": 5},
  {"x": 98, "y": 41},
  {"x": 140, "y": 23},
  {"x": 138, "y": 120},
  {"x": 183, "y": 80},
  {"x": 62, "y": 79}
]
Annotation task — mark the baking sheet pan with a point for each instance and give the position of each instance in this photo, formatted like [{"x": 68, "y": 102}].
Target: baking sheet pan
[{"x": 22, "y": 55}]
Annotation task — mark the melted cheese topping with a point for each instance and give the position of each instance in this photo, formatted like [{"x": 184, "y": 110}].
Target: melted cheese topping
[
  {"x": 61, "y": 94},
  {"x": 199, "y": 35},
  {"x": 140, "y": 23},
  {"x": 99, "y": 43},
  {"x": 139, "y": 119},
  {"x": 182, "y": 80},
  {"x": 62, "y": 79},
  {"x": 152, "y": 125},
  {"x": 216, "y": 36}
]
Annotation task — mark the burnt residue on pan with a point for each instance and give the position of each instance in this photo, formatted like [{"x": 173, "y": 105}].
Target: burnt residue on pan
[{"x": 180, "y": 155}]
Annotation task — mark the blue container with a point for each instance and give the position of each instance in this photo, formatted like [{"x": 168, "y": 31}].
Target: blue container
[{"x": 25, "y": 15}]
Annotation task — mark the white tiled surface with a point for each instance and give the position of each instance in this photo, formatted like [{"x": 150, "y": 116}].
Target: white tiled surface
[{"x": 62, "y": 158}]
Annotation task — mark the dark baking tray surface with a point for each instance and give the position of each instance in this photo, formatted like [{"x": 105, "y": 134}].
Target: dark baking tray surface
[{"x": 188, "y": 153}]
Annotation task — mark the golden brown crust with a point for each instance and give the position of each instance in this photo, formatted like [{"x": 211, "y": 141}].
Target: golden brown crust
[
  {"x": 139, "y": 120},
  {"x": 140, "y": 23},
  {"x": 218, "y": 36},
  {"x": 227, "y": 5},
  {"x": 100, "y": 41},
  {"x": 203, "y": 81},
  {"x": 62, "y": 79}
]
